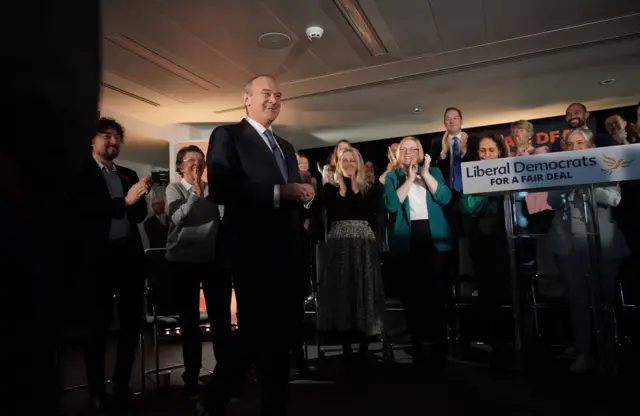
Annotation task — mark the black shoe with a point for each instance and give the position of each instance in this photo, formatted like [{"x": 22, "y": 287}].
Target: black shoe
[{"x": 99, "y": 405}]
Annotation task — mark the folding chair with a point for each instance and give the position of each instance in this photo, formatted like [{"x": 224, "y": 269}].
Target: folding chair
[{"x": 161, "y": 311}]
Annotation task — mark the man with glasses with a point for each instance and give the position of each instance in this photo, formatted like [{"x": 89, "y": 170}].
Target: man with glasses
[{"x": 110, "y": 205}]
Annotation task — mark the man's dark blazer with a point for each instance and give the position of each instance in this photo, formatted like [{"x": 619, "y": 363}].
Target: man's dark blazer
[
  {"x": 242, "y": 173},
  {"x": 96, "y": 208},
  {"x": 458, "y": 223},
  {"x": 156, "y": 232},
  {"x": 445, "y": 164}
]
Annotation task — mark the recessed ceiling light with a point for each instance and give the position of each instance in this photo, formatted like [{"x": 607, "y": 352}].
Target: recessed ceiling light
[
  {"x": 274, "y": 41},
  {"x": 608, "y": 81},
  {"x": 417, "y": 110}
]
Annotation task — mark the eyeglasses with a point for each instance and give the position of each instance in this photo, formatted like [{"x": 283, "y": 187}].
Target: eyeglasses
[
  {"x": 196, "y": 161},
  {"x": 409, "y": 151},
  {"x": 109, "y": 136}
]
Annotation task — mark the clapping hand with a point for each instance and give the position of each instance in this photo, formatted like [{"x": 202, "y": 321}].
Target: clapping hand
[
  {"x": 137, "y": 191},
  {"x": 620, "y": 136},
  {"x": 197, "y": 177},
  {"x": 445, "y": 145},
  {"x": 354, "y": 183},
  {"x": 340, "y": 180},
  {"x": 464, "y": 140},
  {"x": 391, "y": 156},
  {"x": 413, "y": 172},
  {"x": 427, "y": 161}
]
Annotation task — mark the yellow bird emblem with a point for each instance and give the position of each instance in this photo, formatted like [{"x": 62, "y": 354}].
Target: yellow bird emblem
[{"x": 613, "y": 164}]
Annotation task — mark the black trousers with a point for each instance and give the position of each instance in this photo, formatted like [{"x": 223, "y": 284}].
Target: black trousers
[
  {"x": 264, "y": 294},
  {"x": 425, "y": 275},
  {"x": 122, "y": 275},
  {"x": 490, "y": 260},
  {"x": 216, "y": 284}
]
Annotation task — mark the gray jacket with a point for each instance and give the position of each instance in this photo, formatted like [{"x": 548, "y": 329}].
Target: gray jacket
[
  {"x": 568, "y": 232},
  {"x": 194, "y": 224}
]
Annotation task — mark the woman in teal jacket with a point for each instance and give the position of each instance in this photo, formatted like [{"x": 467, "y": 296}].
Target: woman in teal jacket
[{"x": 420, "y": 240}]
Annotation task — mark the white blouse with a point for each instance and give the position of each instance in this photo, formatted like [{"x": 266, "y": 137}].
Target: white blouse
[{"x": 418, "y": 200}]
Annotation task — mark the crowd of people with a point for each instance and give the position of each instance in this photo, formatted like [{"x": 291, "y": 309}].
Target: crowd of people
[{"x": 251, "y": 221}]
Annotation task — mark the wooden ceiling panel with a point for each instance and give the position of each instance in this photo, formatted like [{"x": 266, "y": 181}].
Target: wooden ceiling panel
[
  {"x": 232, "y": 28},
  {"x": 460, "y": 23},
  {"x": 176, "y": 42},
  {"x": 131, "y": 66},
  {"x": 412, "y": 26},
  {"x": 506, "y": 19}
]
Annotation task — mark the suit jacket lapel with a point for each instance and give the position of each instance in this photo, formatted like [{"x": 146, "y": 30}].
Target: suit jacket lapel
[
  {"x": 262, "y": 148},
  {"x": 94, "y": 168},
  {"x": 291, "y": 170},
  {"x": 126, "y": 181}
]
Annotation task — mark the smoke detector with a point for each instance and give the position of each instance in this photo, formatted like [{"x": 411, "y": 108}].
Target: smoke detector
[{"x": 314, "y": 32}]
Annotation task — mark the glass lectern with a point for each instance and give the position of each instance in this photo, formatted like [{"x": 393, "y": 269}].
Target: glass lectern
[{"x": 562, "y": 232}]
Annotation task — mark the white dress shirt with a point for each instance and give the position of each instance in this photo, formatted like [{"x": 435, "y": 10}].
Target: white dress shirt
[
  {"x": 462, "y": 153},
  {"x": 261, "y": 129}
]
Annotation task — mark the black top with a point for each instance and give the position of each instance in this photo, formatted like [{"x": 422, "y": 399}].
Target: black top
[{"x": 352, "y": 206}]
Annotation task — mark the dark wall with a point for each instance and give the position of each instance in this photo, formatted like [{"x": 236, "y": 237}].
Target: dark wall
[{"x": 547, "y": 131}]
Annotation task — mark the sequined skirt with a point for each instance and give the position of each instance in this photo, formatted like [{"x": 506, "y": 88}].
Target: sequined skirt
[{"x": 351, "y": 293}]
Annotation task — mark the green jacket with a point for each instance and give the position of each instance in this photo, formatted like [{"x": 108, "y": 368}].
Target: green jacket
[
  {"x": 399, "y": 224},
  {"x": 487, "y": 215}
]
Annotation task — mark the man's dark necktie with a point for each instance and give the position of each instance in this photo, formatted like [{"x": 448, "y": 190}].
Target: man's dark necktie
[
  {"x": 456, "y": 173},
  {"x": 277, "y": 154}
]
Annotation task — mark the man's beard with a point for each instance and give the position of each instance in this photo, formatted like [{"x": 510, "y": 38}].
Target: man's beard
[
  {"x": 581, "y": 123},
  {"x": 109, "y": 156}
]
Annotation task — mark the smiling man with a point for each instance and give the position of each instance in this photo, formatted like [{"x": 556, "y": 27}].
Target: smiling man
[
  {"x": 254, "y": 174},
  {"x": 110, "y": 204},
  {"x": 577, "y": 117}
]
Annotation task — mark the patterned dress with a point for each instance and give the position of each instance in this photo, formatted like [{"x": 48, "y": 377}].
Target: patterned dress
[{"x": 351, "y": 293}]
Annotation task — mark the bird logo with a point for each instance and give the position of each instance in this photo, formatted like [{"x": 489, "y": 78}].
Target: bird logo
[{"x": 613, "y": 164}]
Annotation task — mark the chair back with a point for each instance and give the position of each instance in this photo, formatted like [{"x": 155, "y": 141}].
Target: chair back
[{"x": 160, "y": 282}]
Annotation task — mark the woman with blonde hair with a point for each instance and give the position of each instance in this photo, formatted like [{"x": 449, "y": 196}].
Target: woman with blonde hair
[
  {"x": 351, "y": 290},
  {"x": 420, "y": 238},
  {"x": 329, "y": 170}
]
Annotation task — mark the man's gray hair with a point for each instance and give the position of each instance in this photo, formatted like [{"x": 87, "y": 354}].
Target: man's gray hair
[{"x": 247, "y": 87}]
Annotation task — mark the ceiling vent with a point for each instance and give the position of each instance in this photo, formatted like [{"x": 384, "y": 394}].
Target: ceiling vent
[
  {"x": 273, "y": 41},
  {"x": 129, "y": 94}
]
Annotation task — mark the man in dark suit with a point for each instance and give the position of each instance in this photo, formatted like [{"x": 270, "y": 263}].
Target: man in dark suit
[
  {"x": 254, "y": 174},
  {"x": 448, "y": 154},
  {"x": 111, "y": 204}
]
